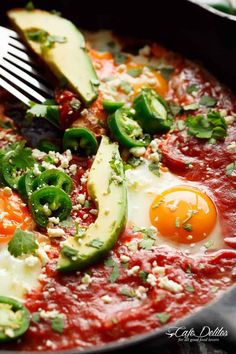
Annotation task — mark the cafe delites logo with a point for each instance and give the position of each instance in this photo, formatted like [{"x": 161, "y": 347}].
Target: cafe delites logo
[{"x": 204, "y": 334}]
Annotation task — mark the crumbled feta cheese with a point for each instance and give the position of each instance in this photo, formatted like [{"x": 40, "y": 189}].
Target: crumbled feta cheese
[
  {"x": 55, "y": 232},
  {"x": 158, "y": 270},
  {"x": 232, "y": 147},
  {"x": 106, "y": 299},
  {"x": 134, "y": 270},
  {"x": 141, "y": 293},
  {"x": 151, "y": 279},
  {"x": 73, "y": 169},
  {"x": 36, "y": 170},
  {"x": 38, "y": 155},
  {"x": 9, "y": 332},
  {"x": 166, "y": 283},
  {"x": 81, "y": 198},
  {"x": 229, "y": 119},
  {"x": 154, "y": 157},
  {"x": 46, "y": 210},
  {"x": 31, "y": 261},
  {"x": 54, "y": 220},
  {"x": 124, "y": 258},
  {"x": 137, "y": 151},
  {"x": 86, "y": 279}
]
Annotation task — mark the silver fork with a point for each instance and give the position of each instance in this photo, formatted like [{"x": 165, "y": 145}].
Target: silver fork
[{"x": 18, "y": 71}]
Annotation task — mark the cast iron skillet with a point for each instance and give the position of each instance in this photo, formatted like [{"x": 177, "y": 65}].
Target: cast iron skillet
[{"x": 201, "y": 35}]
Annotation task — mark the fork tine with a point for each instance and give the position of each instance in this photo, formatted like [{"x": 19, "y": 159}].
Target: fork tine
[
  {"x": 21, "y": 74},
  {"x": 20, "y": 54},
  {"x": 14, "y": 92},
  {"x": 16, "y": 82},
  {"x": 17, "y": 44},
  {"x": 15, "y": 61},
  {"x": 10, "y": 33}
]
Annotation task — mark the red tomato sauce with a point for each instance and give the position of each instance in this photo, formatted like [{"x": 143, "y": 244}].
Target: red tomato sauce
[{"x": 108, "y": 309}]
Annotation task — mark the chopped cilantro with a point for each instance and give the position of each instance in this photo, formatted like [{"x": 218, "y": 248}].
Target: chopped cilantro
[
  {"x": 147, "y": 232},
  {"x": 156, "y": 205},
  {"x": 96, "y": 243},
  {"x": 180, "y": 125},
  {"x": 119, "y": 57},
  {"x": 207, "y": 101},
  {"x": 58, "y": 323},
  {"x": 146, "y": 244},
  {"x": 35, "y": 317},
  {"x": 165, "y": 70},
  {"x": 135, "y": 72},
  {"x": 213, "y": 126},
  {"x": 109, "y": 262},
  {"x": 189, "y": 288},
  {"x": 163, "y": 317},
  {"x": 134, "y": 162},
  {"x": 69, "y": 252},
  {"x": 191, "y": 107},
  {"x": 143, "y": 275},
  {"x": 22, "y": 242},
  {"x": 188, "y": 227},
  {"x": 174, "y": 109},
  {"x": 154, "y": 168},
  {"x": 230, "y": 169},
  {"x": 49, "y": 110},
  {"x": 129, "y": 292},
  {"x": 46, "y": 40},
  {"x": 208, "y": 244},
  {"x": 29, "y": 6},
  {"x": 69, "y": 222},
  {"x": 189, "y": 270},
  {"x": 192, "y": 88}
]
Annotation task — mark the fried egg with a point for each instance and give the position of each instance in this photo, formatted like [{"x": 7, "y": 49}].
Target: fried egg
[
  {"x": 182, "y": 212},
  {"x": 17, "y": 275}
]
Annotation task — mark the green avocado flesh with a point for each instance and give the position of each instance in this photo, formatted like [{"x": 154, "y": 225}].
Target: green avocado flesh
[
  {"x": 65, "y": 55},
  {"x": 106, "y": 186}
]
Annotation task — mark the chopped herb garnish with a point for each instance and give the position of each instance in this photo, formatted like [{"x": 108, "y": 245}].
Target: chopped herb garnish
[
  {"x": 29, "y": 6},
  {"x": 46, "y": 40},
  {"x": 35, "y": 317},
  {"x": 147, "y": 232},
  {"x": 163, "y": 317},
  {"x": 146, "y": 244},
  {"x": 230, "y": 169},
  {"x": 96, "y": 243},
  {"x": 189, "y": 270},
  {"x": 177, "y": 222},
  {"x": 174, "y": 109},
  {"x": 180, "y": 125},
  {"x": 49, "y": 110},
  {"x": 134, "y": 162},
  {"x": 213, "y": 126},
  {"x": 188, "y": 227},
  {"x": 156, "y": 205},
  {"x": 119, "y": 57},
  {"x": 189, "y": 288},
  {"x": 192, "y": 88},
  {"x": 154, "y": 168},
  {"x": 129, "y": 292},
  {"x": 58, "y": 324},
  {"x": 208, "y": 244},
  {"x": 143, "y": 275},
  {"x": 135, "y": 72},
  {"x": 109, "y": 262},
  {"x": 22, "y": 242},
  {"x": 191, "y": 107},
  {"x": 207, "y": 101}
]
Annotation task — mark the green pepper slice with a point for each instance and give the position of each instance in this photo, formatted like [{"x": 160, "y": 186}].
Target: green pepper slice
[
  {"x": 81, "y": 140},
  {"x": 151, "y": 112},
  {"x": 25, "y": 185},
  {"x": 111, "y": 106},
  {"x": 10, "y": 172},
  {"x": 49, "y": 202},
  {"x": 14, "y": 319},
  {"x": 126, "y": 130},
  {"x": 47, "y": 146},
  {"x": 55, "y": 178}
]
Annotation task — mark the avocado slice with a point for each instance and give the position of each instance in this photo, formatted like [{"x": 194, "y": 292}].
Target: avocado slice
[
  {"x": 65, "y": 53},
  {"x": 106, "y": 186}
]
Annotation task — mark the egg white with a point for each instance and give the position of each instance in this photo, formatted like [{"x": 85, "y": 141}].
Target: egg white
[{"x": 143, "y": 186}]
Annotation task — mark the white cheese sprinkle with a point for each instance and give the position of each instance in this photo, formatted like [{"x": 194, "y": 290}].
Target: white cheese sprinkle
[{"x": 166, "y": 283}]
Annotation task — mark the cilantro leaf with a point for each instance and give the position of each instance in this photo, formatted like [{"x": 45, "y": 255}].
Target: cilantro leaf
[
  {"x": 46, "y": 40},
  {"x": 109, "y": 262},
  {"x": 207, "y": 101},
  {"x": 213, "y": 126},
  {"x": 147, "y": 244},
  {"x": 49, "y": 110},
  {"x": 129, "y": 292},
  {"x": 96, "y": 243},
  {"x": 191, "y": 107},
  {"x": 230, "y": 169},
  {"x": 154, "y": 168},
  {"x": 58, "y": 324},
  {"x": 189, "y": 288},
  {"x": 135, "y": 72},
  {"x": 119, "y": 57},
  {"x": 22, "y": 242},
  {"x": 143, "y": 275},
  {"x": 192, "y": 88},
  {"x": 29, "y": 6},
  {"x": 163, "y": 317}
]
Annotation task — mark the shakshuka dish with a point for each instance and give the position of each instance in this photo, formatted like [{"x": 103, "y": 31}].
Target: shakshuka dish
[{"x": 123, "y": 219}]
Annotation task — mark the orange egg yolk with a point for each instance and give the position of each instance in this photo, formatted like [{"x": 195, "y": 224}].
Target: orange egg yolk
[
  {"x": 184, "y": 215},
  {"x": 13, "y": 213}
]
